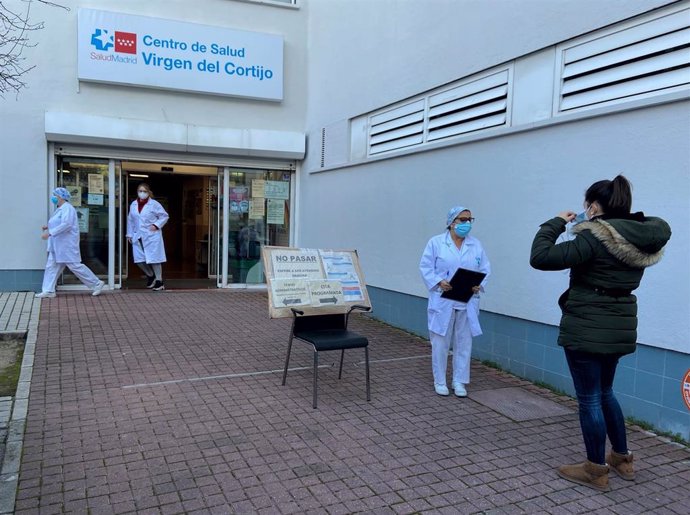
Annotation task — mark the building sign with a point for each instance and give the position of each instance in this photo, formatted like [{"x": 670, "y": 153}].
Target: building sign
[
  {"x": 153, "y": 52},
  {"x": 685, "y": 389}
]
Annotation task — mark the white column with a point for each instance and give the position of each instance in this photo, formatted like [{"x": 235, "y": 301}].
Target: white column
[
  {"x": 111, "y": 224},
  {"x": 226, "y": 227}
]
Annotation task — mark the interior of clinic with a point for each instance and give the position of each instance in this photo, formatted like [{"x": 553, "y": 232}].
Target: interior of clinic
[{"x": 255, "y": 212}]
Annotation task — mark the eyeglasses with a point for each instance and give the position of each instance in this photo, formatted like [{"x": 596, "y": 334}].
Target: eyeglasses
[{"x": 463, "y": 220}]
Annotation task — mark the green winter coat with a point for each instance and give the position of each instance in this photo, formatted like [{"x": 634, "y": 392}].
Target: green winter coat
[{"x": 607, "y": 259}]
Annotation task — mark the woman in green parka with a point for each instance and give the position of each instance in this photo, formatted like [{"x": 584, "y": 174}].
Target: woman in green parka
[{"x": 607, "y": 258}]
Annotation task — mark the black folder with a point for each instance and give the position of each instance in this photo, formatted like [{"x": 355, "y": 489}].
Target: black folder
[{"x": 462, "y": 282}]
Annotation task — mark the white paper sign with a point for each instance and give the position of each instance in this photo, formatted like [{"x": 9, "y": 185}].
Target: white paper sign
[
  {"x": 95, "y": 199},
  {"x": 277, "y": 189},
  {"x": 82, "y": 218},
  {"x": 326, "y": 293},
  {"x": 288, "y": 293},
  {"x": 158, "y": 53},
  {"x": 302, "y": 264}
]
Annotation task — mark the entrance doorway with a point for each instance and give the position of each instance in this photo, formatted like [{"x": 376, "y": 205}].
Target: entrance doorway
[
  {"x": 190, "y": 196},
  {"x": 220, "y": 218}
]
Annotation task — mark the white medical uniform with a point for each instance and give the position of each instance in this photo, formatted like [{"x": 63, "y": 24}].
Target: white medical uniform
[
  {"x": 147, "y": 245},
  {"x": 452, "y": 321},
  {"x": 63, "y": 249}
]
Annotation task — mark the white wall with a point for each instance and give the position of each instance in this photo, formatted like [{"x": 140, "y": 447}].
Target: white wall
[
  {"x": 388, "y": 209},
  {"x": 53, "y": 86}
]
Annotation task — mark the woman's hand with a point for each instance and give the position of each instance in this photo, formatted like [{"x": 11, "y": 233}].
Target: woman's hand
[
  {"x": 445, "y": 285},
  {"x": 153, "y": 227},
  {"x": 568, "y": 216},
  {"x": 44, "y": 228},
  {"x": 476, "y": 289},
  {"x": 45, "y": 236},
  {"x": 129, "y": 239}
]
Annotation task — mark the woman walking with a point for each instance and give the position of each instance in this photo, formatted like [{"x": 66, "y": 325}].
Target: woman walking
[
  {"x": 62, "y": 234},
  {"x": 144, "y": 223},
  {"x": 607, "y": 258}
]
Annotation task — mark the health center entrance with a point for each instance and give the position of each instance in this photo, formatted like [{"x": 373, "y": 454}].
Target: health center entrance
[{"x": 220, "y": 217}]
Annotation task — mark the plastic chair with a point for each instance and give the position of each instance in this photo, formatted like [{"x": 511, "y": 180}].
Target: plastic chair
[{"x": 326, "y": 333}]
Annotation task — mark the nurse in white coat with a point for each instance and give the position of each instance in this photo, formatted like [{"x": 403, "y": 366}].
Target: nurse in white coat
[
  {"x": 144, "y": 223},
  {"x": 450, "y": 321},
  {"x": 62, "y": 234}
]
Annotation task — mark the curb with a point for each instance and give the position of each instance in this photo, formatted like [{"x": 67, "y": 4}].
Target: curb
[{"x": 9, "y": 474}]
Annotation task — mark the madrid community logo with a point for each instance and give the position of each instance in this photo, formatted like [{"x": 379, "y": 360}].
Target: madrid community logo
[{"x": 122, "y": 42}]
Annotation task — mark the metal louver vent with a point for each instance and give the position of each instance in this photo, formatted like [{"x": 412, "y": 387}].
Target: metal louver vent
[
  {"x": 471, "y": 107},
  {"x": 397, "y": 128},
  {"x": 648, "y": 58}
]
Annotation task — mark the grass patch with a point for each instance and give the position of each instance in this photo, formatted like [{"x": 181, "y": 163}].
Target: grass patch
[
  {"x": 12, "y": 352},
  {"x": 675, "y": 437}
]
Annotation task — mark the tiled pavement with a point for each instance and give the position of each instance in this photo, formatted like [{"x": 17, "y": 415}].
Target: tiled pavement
[{"x": 118, "y": 423}]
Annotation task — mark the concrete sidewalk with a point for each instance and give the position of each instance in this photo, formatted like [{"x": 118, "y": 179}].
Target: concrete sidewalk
[{"x": 171, "y": 403}]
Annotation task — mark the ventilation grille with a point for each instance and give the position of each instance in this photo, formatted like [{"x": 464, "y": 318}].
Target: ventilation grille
[
  {"x": 471, "y": 107},
  {"x": 397, "y": 128},
  {"x": 648, "y": 58}
]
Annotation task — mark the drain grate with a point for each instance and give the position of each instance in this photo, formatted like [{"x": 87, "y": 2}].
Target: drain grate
[{"x": 518, "y": 404}]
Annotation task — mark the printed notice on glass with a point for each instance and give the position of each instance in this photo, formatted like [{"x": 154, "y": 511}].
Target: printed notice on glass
[
  {"x": 326, "y": 293},
  {"x": 75, "y": 192},
  {"x": 338, "y": 266},
  {"x": 287, "y": 293},
  {"x": 276, "y": 212},
  {"x": 96, "y": 183},
  {"x": 82, "y": 218},
  {"x": 95, "y": 199},
  {"x": 303, "y": 264},
  {"x": 258, "y": 188},
  {"x": 277, "y": 190},
  {"x": 257, "y": 209}
]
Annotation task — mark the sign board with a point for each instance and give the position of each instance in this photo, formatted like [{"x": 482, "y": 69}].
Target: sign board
[
  {"x": 316, "y": 281},
  {"x": 685, "y": 389},
  {"x": 119, "y": 48}
]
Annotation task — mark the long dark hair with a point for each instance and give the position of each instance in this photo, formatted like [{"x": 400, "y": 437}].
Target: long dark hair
[{"x": 614, "y": 197}]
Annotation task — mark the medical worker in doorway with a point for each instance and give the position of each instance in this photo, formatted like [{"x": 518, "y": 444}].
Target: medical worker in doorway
[
  {"x": 611, "y": 249},
  {"x": 144, "y": 223},
  {"x": 452, "y": 322},
  {"x": 62, "y": 234}
]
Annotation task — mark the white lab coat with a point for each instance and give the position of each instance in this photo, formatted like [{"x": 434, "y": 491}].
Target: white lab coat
[
  {"x": 138, "y": 229},
  {"x": 439, "y": 262},
  {"x": 63, "y": 231}
]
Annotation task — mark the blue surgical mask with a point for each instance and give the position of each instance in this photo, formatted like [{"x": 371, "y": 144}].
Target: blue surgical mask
[
  {"x": 54, "y": 200},
  {"x": 582, "y": 217},
  {"x": 463, "y": 229}
]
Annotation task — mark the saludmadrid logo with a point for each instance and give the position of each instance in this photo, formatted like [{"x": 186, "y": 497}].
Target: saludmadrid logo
[{"x": 106, "y": 42}]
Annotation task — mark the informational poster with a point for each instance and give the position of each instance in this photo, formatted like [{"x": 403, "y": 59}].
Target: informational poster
[
  {"x": 275, "y": 211},
  {"x": 96, "y": 183},
  {"x": 239, "y": 193},
  {"x": 290, "y": 293},
  {"x": 257, "y": 209},
  {"x": 83, "y": 218},
  {"x": 315, "y": 281},
  {"x": 95, "y": 199},
  {"x": 325, "y": 293},
  {"x": 258, "y": 188},
  {"x": 340, "y": 267},
  {"x": 244, "y": 206},
  {"x": 75, "y": 198},
  {"x": 303, "y": 264},
  {"x": 277, "y": 190}
]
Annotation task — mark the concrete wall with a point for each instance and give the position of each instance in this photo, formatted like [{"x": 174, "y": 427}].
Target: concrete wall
[{"x": 53, "y": 86}]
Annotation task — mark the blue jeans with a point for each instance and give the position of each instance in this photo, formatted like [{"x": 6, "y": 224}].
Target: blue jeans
[{"x": 600, "y": 413}]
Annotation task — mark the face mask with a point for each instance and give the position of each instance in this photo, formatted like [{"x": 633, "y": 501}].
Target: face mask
[
  {"x": 54, "y": 200},
  {"x": 582, "y": 217},
  {"x": 463, "y": 229},
  {"x": 143, "y": 195}
]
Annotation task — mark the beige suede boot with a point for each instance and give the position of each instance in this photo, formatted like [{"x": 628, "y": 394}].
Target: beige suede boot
[
  {"x": 621, "y": 464},
  {"x": 587, "y": 474}
]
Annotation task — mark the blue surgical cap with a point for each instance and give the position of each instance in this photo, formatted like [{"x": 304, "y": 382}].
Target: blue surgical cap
[
  {"x": 62, "y": 193},
  {"x": 453, "y": 214}
]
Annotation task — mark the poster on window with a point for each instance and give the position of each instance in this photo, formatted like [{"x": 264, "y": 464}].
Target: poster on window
[
  {"x": 96, "y": 183},
  {"x": 75, "y": 192},
  {"x": 257, "y": 209},
  {"x": 258, "y": 188},
  {"x": 277, "y": 190},
  {"x": 275, "y": 212},
  {"x": 82, "y": 218}
]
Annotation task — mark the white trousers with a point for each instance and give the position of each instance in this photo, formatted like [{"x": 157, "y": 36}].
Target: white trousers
[
  {"x": 460, "y": 336},
  {"x": 54, "y": 269}
]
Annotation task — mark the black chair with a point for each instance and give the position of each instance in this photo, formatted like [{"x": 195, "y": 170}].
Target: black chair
[{"x": 324, "y": 333}]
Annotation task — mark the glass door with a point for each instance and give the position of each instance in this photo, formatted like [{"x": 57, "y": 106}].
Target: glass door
[{"x": 87, "y": 180}]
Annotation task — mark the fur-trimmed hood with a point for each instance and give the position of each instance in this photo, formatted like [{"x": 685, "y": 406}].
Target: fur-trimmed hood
[{"x": 637, "y": 241}]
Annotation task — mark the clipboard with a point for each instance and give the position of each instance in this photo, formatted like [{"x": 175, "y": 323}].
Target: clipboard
[{"x": 462, "y": 282}]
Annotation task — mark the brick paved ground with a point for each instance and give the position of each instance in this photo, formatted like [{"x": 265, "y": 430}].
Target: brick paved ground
[{"x": 245, "y": 444}]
